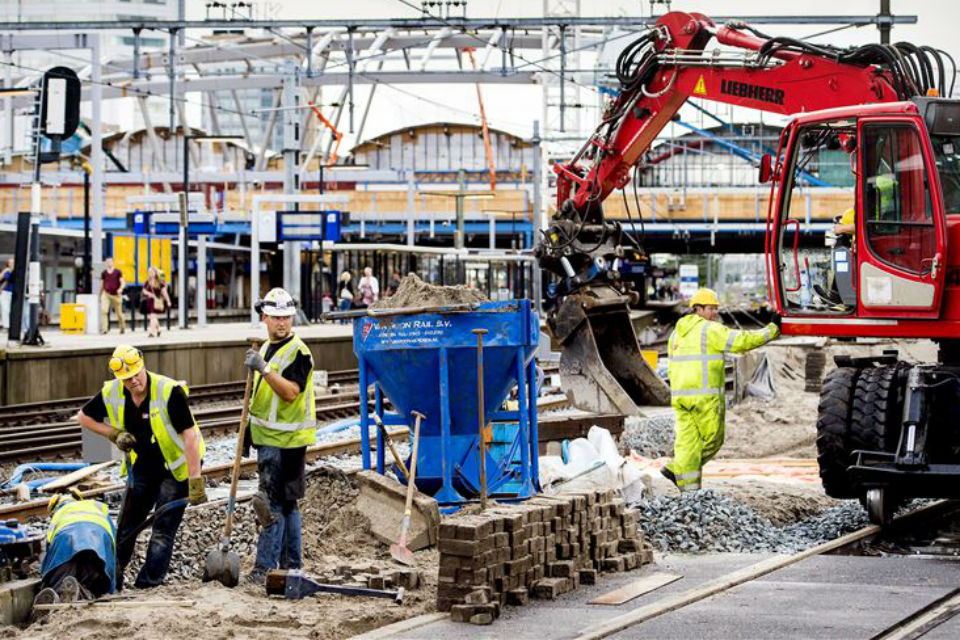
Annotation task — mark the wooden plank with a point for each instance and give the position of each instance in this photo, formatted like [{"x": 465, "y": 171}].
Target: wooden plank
[
  {"x": 76, "y": 476},
  {"x": 636, "y": 588}
]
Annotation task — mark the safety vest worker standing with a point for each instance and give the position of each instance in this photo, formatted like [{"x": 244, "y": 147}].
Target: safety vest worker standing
[
  {"x": 696, "y": 348},
  {"x": 282, "y": 425},
  {"x": 146, "y": 415}
]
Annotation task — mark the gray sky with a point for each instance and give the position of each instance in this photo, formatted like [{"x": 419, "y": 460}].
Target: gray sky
[{"x": 515, "y": 108}]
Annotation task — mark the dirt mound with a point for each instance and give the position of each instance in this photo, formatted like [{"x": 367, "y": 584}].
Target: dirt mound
[{"x": 414, "y": 292}]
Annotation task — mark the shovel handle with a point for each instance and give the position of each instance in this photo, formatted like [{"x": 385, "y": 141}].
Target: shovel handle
[
  {"x": 235, "y": 473},
  {"x": 411, "y": 486}
]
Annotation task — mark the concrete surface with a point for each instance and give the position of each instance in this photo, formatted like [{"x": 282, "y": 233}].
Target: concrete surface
[
  {"x": 16, "y": 600},
  {"x": 821, "y": 597}
]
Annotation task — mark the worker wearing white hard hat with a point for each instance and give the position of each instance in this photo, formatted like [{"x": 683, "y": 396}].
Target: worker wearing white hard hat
[
  {"x": 282, "y": 425},
  {"x": 697, "y": 390}
]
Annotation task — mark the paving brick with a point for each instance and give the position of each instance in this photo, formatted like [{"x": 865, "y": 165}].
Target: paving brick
[
  {"x": 548, "y": 588},
  {"x": 463, "y": 548},
  {"x": 588, "y": 576},
  {"x": 518, "y": 597}
]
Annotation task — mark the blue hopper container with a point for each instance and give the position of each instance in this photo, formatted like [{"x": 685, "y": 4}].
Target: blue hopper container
[{"x": 426, "y": 361}]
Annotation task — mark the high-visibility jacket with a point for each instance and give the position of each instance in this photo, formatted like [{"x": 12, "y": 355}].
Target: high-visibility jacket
[
  {"x": 80, "y": 526},
  {"x": 70, "y": 513},
  {"x": 170, "y": 442},
  {"x": 275, "y": 422},
  {"x": 696, "y": 349}
]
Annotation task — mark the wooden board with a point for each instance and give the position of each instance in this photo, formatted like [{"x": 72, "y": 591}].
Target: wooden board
[
  {"x": 76, "y": 476},
  {"x": 636, "y": 588}
]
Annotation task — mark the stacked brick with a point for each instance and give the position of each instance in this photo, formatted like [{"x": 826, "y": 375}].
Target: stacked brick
[{"x": 541, "y": 548}]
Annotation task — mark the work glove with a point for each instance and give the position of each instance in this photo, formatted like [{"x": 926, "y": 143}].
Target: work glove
[
  {"x": 124, "y": 440},
  {"x": 198, "y": 490},
  {"x": 255, "y": 362}
]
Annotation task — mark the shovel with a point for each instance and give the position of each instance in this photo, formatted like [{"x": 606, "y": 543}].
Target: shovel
[
  {"x": 222, "y": 564},
  {"x": 399, "y": 551}
]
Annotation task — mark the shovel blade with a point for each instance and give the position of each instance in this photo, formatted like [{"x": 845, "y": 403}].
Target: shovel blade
[
  {"x": 401, "y": 554},
  {"x": 222, "y": 566}
]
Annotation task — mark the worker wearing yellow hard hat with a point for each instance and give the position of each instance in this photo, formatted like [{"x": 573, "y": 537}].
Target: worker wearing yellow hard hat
[
  {"x": 696, "y": 349},
  {"x": 148, "y": 417}
]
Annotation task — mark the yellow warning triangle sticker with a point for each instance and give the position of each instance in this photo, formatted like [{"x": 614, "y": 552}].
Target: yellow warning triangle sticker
[{"x": 701, "y": 87}]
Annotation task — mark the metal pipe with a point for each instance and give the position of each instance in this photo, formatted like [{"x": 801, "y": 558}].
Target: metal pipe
[{"x": 481, "y": 419}]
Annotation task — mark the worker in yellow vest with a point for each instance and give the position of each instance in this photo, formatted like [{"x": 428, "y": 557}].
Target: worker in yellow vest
[
  {"x": 81, "y": 560},
  {"x": 282, "y": 425},
  {"x": 147, "y": 416},
  {"x": 697, "y": 384}
]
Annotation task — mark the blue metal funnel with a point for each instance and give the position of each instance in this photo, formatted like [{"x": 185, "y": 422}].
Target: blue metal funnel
[{"x": 427, "y": 362}]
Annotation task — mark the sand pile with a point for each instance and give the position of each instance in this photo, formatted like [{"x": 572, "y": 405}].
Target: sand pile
[{"x": 414, "y": 292}]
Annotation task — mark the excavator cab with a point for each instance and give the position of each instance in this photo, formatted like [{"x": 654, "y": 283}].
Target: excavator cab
[{"x": 880, "y": 255}]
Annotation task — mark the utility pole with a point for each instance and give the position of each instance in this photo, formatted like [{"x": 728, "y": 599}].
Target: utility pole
[
  {"x": 537, "y": 218},
  {"x": 885, "y": 23}
]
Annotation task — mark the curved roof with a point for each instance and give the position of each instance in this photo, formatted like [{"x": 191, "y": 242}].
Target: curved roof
[{"x": 454, "y": 127}]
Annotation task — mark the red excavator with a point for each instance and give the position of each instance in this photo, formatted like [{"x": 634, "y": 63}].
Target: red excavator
[{"x": 887, "y": 429}]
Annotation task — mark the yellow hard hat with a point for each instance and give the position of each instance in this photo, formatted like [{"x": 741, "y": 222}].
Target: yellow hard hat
[
  {"x": 58, "y": 501},
  {"x": 705, "y": 297},
  {"x": 126, "y": 361}
]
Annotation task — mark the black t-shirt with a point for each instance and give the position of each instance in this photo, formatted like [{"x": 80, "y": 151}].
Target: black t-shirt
[
  {"x": 298, "y": 370},
  {"x": 137, "y": 421}
]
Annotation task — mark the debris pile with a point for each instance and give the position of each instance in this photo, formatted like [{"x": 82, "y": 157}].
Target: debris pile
[
  {"x": 541, "y": 548},
  {"x": 414, "y": 292}
]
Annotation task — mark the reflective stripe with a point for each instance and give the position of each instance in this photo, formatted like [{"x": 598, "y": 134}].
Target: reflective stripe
[
  {"x": 696, "y": 392},
  {"x": 283, "y": 426},
  {"x": 766, "y": 334},
  {"x": 164, "y": 415},
  {"x": 75, "y": 512},
  {"x": 703, "y": 351},
  {"x": 730, "y": 339},
  {"x": 698, "y": 357},
  {"x": 690, "y": 475},
  {"x": 685, "y": 488}
]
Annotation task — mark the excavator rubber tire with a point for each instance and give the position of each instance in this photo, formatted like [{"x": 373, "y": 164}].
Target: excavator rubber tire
[
  {"x": 875, "y": 426},
  {"x": 833, "y": 432}
]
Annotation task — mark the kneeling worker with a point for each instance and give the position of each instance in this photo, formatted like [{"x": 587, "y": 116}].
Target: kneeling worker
[
  {"x": 697, "y": 381},
  {"x": 147, "y": 415},
  {"x": 81, "y": 559},
  {"x": 282, "y": 424}
]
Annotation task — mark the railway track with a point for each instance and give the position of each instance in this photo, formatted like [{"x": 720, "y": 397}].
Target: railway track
[
  {"x": 52, "y": 411},
  {"x": 936, "y": 517},
  {"x": 63, "y": 438}
]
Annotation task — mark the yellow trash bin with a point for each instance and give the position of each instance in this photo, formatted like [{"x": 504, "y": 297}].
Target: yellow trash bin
[{"x": 73, "y": 318}]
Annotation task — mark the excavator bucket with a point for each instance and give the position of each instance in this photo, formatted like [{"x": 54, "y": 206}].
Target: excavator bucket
[{"x": 601, "y": 369}]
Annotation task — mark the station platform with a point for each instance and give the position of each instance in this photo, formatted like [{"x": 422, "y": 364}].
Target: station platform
[{"x": 74, "y": 365}]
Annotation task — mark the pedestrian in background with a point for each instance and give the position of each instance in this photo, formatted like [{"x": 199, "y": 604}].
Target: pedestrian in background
[
  {"x": 394, "y": 283},
  {"x": 369, "y": 288},
  {"x": 158, "y": 300},
  {"x": 6, "y": 294},
  {"x": 111, "y": 296},
  {"x": 346, "y": 292}
]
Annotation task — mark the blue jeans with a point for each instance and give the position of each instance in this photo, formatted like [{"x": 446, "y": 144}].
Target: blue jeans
[
  {"x": 279, "y": 545},
  {"x": 145, "y": 493}
]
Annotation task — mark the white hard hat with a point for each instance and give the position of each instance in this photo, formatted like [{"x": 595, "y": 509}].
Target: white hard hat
[{"x": 278, "y": 303}]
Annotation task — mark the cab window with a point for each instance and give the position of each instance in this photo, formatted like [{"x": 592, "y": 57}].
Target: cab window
[{"x": 897, "y": 209}]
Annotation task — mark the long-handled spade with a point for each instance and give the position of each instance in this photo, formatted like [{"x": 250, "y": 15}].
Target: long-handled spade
[
  {"x": 222, "y": 564},
  {"x": 399, "y": 551}
]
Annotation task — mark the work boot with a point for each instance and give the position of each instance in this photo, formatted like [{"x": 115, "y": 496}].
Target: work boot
[
  {"x": 257, "y": 577},
  {"x": 669, "y": 475},
  {"x": 261, "y": 508},
  {"x": 46, "y": 596},
  {"x": 69, "y": 589}
]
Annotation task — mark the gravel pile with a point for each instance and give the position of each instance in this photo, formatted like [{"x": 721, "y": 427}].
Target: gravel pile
[
  {"x": 330, "y": 492},
  {"x": 707, "y": 521},
  {"x": 651, "y": 437}
]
